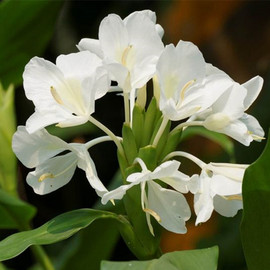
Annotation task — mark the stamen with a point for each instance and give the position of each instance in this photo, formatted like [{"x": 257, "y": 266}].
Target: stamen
[
  {"x": 185, "y": 87},
  {"x": 233, "y": 197},
  {"x": 125, "y": 55},
  {"x": 55, "y": 95},
  {"x": 153, "y": 214},
  {"x": 256, "y": 137},
  {"x": 45, "y": 176}
]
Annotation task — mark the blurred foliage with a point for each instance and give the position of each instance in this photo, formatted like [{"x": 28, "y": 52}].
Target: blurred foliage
[{"x": 25, "y": 29}]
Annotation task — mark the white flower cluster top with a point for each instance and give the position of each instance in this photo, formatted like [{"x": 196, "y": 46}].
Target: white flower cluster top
[{"x": 187, "y": 89}]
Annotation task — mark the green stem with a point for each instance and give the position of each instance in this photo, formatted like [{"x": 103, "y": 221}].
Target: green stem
[
  {"x": 108, "y": 132},
  {"x": 126, "y": 106},
  {"x": 42, "y": 257},
  {"x": 39, "y": 253},
  {"x": 188, "y": 124}
]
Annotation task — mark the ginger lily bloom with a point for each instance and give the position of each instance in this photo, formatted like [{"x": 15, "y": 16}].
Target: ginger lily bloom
[
  {"x": 181, "y": 73},
  {"x": 130, "y": 48},
  {"x": 220, "y": 188},
  {"x": 64, "y": 93},
  {"x": 41, "y": 150},
  {"x": 168, "y": 207},
  {"x": 227, "y": 114}
]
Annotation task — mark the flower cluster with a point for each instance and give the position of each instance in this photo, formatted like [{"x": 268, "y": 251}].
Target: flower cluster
[{"x": 187, "y": 90}]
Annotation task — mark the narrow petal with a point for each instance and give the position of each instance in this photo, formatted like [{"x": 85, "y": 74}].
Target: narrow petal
[
  {"x": 52, "y": 174},
  {"x": 203, "y": 201},
  {"x": 253, "y": 87},
  {"x": 116, "y": 194},
  {"x": 86, "y": 163},
  {"x": 34, "y": 149},
  {"x": 170, "y": 206},
  {"x": 227, "y": 208}
]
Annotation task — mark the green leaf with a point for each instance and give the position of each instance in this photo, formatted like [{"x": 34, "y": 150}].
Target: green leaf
[
  {"x": 201, "y": 259},
  {"x": 14, "y": 212},
  {"x": 57, "y": 229},
  {"x": 221, "y": 139},
  {"x": 255, "y": 226},
  {"x": 8, "y": 163},
  {"x": 94, "y": 243},
  {"x": 25, "y": 29}
]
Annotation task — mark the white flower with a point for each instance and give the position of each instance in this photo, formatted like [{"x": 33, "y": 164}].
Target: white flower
[
  {"x": 64, "y": 93},
  {"x": 130, "y": 48},
  {"x": 181, "y": 73},
  {"x": 219, "y": 187},
  {"x": 168, "y": 207},
  {"x": 227, "y": 114},
  {"x": 42, "y": 150}
]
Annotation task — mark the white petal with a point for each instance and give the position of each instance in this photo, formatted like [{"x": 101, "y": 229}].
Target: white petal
[
  {"x": 120, "y": 74},
  {"x": 171, "y": 207},
  {"x": 224, "y": 186},
  {"x": 238, "y": 131},
  {"x": 78, "y": 65},
  {"x": 34, "y": 149},
  {"x": 44, "y": 118},
  {"x": 253, "y": 87},
  {"x": 113, "y": 37},
  {"x": 227, "y": 208},
  {"x": 231, "y": 102},
  {"x": 92, "y": 45},
  {"x": 102, "y": 83},
  {"x": 191, "y": 64},
  {"x": 38, "y": 77},
  {"x": 61, "y": 168},
  {"x": 253, "y": 126},
  {"x": 143, "y": 37}
]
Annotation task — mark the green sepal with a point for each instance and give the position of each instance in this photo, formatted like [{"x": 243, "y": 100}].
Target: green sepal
[
  {"x": 138, "y": 124},
  {"x": 129, "y": 143},
  {"x": 149, "y": 155},
  {"x": 149, "y": 123},
  {"x": 123, "y": 164},
  {"x": 173, "y": 140}
]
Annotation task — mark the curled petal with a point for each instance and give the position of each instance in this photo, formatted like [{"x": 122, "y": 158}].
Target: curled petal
[{"x": 52, "y": 174}]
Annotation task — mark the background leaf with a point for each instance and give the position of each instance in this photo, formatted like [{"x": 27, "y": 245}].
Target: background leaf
[
  {"x": 255, "y": 227},
  {"x": 221, "y": 139},
  {"x": 14, "y": 212},
  {"x": 203, "y": 259},
  {"x": 25, "y": 29},
  {"x": 57, "y": 229}
]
